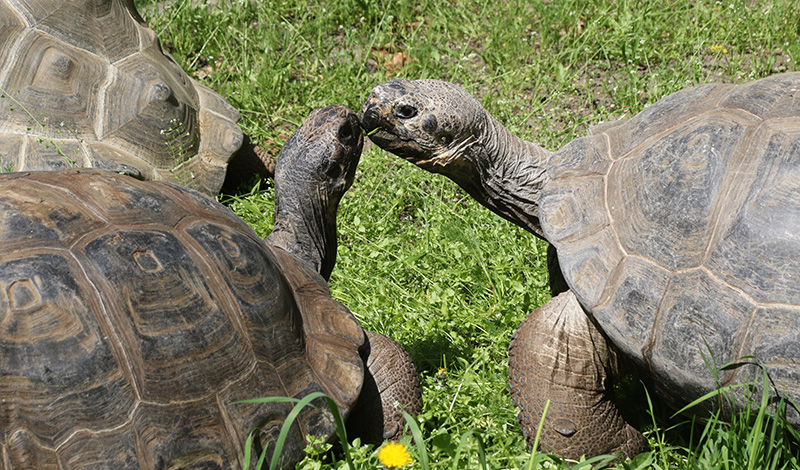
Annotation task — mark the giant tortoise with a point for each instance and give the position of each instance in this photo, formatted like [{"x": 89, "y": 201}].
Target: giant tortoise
[
  {"x": 87, "y": 84},
  {"x": 134, "y": 315},
  {"x": 676, "y": 232}
]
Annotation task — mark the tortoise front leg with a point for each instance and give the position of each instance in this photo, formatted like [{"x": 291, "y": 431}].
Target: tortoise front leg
[
  {"x": 557, "y": 354},
  {"x": 391, "y": 386}
]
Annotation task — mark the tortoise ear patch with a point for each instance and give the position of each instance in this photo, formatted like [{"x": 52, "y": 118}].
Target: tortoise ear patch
[{"x": 430, "y": 124}]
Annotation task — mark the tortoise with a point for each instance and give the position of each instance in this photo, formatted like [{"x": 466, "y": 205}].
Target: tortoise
[
  {"x": 674, "y": 235},
  {"x": 135, "y": 314},
  {"x": 87, "y": 84}
]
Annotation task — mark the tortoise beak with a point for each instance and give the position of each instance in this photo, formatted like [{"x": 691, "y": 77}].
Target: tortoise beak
[
  {"x": 376, "y": 113},
  {"x": 384, "y": 130},
  {"x": 371, "y": 116},
  {"x": 377, "y": 127}
]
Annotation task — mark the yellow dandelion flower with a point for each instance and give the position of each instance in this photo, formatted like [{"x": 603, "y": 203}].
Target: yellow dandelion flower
[
  {"x": 394, "y": 455},
  {"x": 719, "y": 48},
  {"x": 442, "y": 371}
]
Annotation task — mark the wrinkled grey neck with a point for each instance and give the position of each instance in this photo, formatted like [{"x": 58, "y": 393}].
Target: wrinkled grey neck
[
  {"x": 305, "y": 227},
  {"x": 505, "y": 173}
]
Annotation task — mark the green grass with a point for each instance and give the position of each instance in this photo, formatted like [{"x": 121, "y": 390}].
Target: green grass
[{"x": 419, "y": 260}]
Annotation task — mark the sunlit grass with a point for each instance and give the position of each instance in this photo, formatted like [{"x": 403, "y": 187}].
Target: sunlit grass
[{"x": 755, "y": 438}]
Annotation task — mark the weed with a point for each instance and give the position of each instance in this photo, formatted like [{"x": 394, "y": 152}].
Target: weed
[
  {"x": 7, "y": 168},
  {"x": 752, "y": 438},
  {"x": 175, "y": 140},
  {"x": 38, "y": 125}
]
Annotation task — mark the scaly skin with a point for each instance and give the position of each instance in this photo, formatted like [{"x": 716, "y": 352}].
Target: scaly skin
[
  {"x": 306, "y": 204},
  {"x": 450, "y": 133},
  {"x": 571, "y": 369},
  {"x": 391, "y": 386},
  {"x": 443, "y": 129},
  {"x": 305, "y": 212}
]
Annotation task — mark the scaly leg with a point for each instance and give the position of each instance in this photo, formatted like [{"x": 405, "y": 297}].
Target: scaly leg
[
  {"x": 391, "y": 386},
  {"x": 558, "y": 354}
]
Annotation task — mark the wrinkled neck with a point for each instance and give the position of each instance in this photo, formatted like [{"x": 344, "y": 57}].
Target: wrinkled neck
[
  {"x": 504, "y": 173},
  {"x": 306, "y": 228}
]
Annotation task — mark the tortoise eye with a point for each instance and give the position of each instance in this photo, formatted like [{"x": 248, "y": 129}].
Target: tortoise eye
[{"x": 405, "y": 111}]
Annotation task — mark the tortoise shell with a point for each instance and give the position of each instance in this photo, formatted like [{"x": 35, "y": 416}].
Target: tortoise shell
[
  {"x": 134, "y": 314},
  {"x": 678, "y": 230},
  {"x": 87, "y": 84}
]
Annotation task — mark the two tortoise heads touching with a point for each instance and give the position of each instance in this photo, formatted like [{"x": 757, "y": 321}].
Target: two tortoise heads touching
[{"x": 135, "y": 315}]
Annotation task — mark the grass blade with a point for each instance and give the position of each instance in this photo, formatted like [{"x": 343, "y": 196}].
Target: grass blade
[
  {"x": 341, "y": 431},
  {"x": 419, "y": 442},
  {"x": 537, "y": 456},
  {"x": 285, "y": 428},
  {"x": 306, "y": 400}
]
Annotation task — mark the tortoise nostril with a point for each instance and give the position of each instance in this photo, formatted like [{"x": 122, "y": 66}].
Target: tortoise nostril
[
  {"x": 345, "y": 132},
  {"x": 334, "y": 170},
  {"x": 369, "y": 118}
]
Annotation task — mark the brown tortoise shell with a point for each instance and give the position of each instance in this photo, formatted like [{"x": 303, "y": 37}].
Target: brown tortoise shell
[
  {"x": 87, "y": 84},
  {"x": 678, "y": 229},
  {"x": 133, "y": 314}
]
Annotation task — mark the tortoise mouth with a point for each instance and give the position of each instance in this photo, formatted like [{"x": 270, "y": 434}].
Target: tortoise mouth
[
  {"x": 385, "y": 134},
  {"x": 403, "y": 148}
]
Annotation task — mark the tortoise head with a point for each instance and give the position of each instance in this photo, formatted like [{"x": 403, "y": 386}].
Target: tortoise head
[
  {"x": 427, "y": 122},
  {"x": 441, "y": 128},
  {"x": 316, "y": 166},
  {"x": 321, "y": 156}
]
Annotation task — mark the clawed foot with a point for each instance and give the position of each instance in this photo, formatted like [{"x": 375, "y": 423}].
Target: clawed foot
[{"x": 557, "y": 354}]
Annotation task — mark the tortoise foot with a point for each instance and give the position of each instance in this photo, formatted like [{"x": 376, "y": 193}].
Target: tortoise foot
[
  {"x": 557, "y": 354},
  {"x": 391, "y": 386}
]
